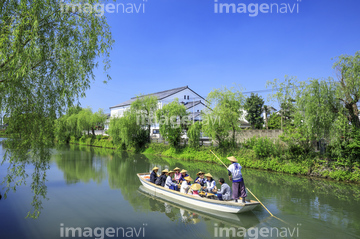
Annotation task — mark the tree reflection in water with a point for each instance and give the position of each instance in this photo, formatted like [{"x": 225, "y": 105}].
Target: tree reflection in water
[{"x": 18, "y": 159}]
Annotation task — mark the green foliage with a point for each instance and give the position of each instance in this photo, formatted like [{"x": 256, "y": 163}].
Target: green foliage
[
  {"x": 173, "y": 120},
  {"x": 274, "y": 121},
  {"x": 264, "y": 147},
  {"x": 146, "y": 107},
  {"x": 75, "y": 122},
  {"x": 348, "y": 90},
  {"x": 254, "y": 107},
  {"x": 353, "y": 148},
  {"x": 225, "y": 114},
  {"x": 285, "y": 93},
  {"x": 126, "y": 132},
  {"x": 194, "y": 133},
  {"x": 114, "y": 130},
  {"x": 47, "y": 59},
  {"x": 318, "y": 107},
  {"x": 296, "y": 141}
]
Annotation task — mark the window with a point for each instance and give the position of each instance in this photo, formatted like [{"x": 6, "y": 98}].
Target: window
[
  {"x": 184, "y": 97},
  {"x": 188, "y": 97},
  {"x": 156, "y": 131}
]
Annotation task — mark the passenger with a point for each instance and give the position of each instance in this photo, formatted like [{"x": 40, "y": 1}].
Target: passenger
[
  {"x": 194, "y": 190},
  {"x": 225, "y": 192},
  {"x": 238, "y": 186},
  {"x": 169, "y": 183},
  {"x": 185, "y": 185},
  {"x": 210, "y": 183},
  {"x": 200, "y": 179},
  {"x": 153, "y": 175},
  {"x": 183, "y": 175},
  {"x": 177, "y": 174},
  {"x": 161, "y": 180}
]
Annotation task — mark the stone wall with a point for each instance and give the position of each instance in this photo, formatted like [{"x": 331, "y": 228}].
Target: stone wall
[{"x": 247, "y": 134}]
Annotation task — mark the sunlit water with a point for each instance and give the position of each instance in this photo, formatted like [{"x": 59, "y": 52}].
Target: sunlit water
[{"x": 92, "y": 187}]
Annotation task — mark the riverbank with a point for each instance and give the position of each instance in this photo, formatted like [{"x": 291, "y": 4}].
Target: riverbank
[{"x": 313, "y": 167}]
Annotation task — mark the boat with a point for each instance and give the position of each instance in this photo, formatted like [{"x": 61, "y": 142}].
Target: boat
[
  {"x": 246, "y": 220},
  {"x": 201, "y": 202}
]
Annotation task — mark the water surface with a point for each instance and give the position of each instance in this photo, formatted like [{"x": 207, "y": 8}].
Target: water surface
[{"x": 93, "y": 187}]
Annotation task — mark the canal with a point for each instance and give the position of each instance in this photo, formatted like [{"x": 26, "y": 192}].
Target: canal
[{"x": 96, "y": 189}]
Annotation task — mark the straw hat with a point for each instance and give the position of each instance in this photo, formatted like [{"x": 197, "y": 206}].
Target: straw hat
[
  {"x": 155, "y": 168},
  {"x": 176, "y": 169},
  {"x": 195, "y": 187},
  {"x": 200, "y": 172},
  {"x": 196, "y": 220},
  {"x": 232, "y": 159},
  {"x": 170, "y": 172},
  {"x": 183, "y": 171},
  {"x": 188, "y": 178},
  {"x": 208, "y": 175},
  {"x": 165, "y": 171}
]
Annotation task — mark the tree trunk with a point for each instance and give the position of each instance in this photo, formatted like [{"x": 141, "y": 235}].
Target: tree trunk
[
  {"x": 234, "y": 131},
  {"x": 266, "y": 119},
  {"x": 353, "y": 114},
  {"x": 93, "y": 131}
]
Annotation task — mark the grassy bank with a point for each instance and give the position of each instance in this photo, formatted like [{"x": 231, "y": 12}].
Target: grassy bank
[
  {"x": 314, "y": 166},
  {"x": 98, "y": 141}
]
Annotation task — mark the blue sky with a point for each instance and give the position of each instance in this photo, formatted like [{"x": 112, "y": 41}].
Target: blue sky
[{"x": 183, "y": 42}]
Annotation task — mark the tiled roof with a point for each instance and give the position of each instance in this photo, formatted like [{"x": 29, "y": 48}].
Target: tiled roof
[
  {"x": 160, "y": 95},
  {"x": 190, "y": 104}
]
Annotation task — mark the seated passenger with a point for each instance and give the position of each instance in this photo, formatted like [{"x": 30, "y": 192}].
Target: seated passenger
[
  {"x": 185, "y": 185},
  {"x": 225, "y": 192},
  {"x": 210, "y": 183},
  {"x": 161, "y": 180},
  {"x": 169, "y": 183},
  {"x": 194, "y": 190},
  {"x": 177, "y": 174},
  {"x": 153, "y": 175},
  {"x": 200, "y": 179},
  {"x": 183, "y": 175}
]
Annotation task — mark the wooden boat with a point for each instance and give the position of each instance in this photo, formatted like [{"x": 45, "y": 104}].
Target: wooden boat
[
  {"x": 200, "y": 202},
  {"x": 246, "y": 220}
]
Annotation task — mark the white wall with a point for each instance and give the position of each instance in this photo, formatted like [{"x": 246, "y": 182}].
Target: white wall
[{"x": 119, "y": 111}]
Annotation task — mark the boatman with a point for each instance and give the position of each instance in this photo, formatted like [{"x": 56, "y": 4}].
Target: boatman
[
  {"x": 238, "y": 186},
  {"x": 153, "y": 175}
]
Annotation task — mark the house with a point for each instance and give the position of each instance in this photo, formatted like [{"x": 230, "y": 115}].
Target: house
[
  {"x": 245, "y": 124},
  {"x": 193, "y": 102}
]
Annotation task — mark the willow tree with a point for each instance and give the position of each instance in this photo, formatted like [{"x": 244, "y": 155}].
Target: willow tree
[
  {"x": 222, "y": 122},
  {"x": 146, "y": 106},
  {"x": 348, "y": 73},
  {"x": 318, "y": 109},
  {"x": 173, "y": 121},
  {"x": 47, "y": 58},
  {"x": 284, "y": 94}
]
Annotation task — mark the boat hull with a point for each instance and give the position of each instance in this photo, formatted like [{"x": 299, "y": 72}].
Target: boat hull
[{"x": 204, "y": 203}]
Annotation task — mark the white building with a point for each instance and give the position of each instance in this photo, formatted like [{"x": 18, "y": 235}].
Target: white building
[{"x": 193, "y": 102}]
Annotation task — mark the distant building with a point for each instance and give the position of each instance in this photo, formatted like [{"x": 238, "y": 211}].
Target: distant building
[{"x": 193, "y": 102}]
